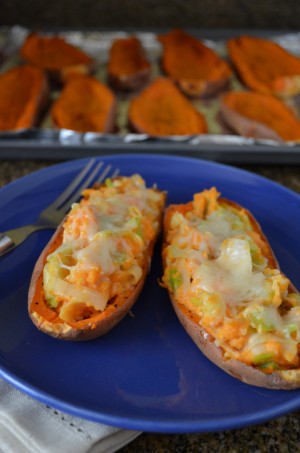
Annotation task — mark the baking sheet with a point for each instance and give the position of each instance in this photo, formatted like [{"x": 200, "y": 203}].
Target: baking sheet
[{"x": 219, "y": 144}]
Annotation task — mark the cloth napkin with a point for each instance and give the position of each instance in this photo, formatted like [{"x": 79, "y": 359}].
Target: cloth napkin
[{"x": 28, "y": 426}]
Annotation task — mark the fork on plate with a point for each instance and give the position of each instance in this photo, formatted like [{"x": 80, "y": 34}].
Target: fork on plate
[{"x": 53, "y": 214}]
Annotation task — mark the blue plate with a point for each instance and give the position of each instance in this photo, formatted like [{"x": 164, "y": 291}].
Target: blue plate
[{"x": 146, "y": 374}]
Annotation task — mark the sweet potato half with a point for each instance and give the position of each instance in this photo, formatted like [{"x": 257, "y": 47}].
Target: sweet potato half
[
  {"x": 53, "y": 54},
  {"x": 93, "y": 269},
  {"x": 128, "y": 67},
  {"x": 85, "y": 105},
  {"x": 24, "y": 96},
  {"x": 228, "y": 292},
  {"x": 259, "y": 115},
  {"x": 162, "y": 110},
  {"x": 265, "y": 66},
  {"x": 197, "y": 69}
]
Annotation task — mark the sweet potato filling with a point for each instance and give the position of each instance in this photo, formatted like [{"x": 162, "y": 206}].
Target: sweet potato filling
[
  {"x": 23, "y": 94},
  {"x": 161, "y": 109},
  {"x": 265, "y": 66},
  {"x": 84, "y": 105},
  {"x": 192, "y": 64},
  {"x": 265, "y": 109}
]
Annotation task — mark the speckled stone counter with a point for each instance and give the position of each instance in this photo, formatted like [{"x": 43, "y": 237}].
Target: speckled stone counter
[
  {"x": 279, "y": 435},
  {"x": 152, "y": 13}
]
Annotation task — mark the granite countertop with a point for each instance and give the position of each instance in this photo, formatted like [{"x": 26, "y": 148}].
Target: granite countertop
[
  {"x": 152, "y": 14},
  {"x": 281, "y": 434}
]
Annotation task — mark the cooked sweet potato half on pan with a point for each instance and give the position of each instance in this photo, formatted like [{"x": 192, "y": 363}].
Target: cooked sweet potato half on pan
[
  {"x": 56, "y": 56},
  {"x": 162, "y": 110},
  {"x": 196, "y": 68},
  {"x": 85, "y": 105},
  {"x": 265, "y": 66},
  {"x": 259, "y": 115},
  {"x": 24, "y": 95},
  {"x": 93, "y": 269},
  {"x": 128, "y": 67},
  {"x": 228, "y": 292}
]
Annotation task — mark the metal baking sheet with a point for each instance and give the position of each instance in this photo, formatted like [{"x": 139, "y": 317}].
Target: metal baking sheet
[{"x": 50, "y": 144}]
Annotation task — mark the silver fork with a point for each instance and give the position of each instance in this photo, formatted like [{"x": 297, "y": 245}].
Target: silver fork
[{"x": 54, "y": 213}]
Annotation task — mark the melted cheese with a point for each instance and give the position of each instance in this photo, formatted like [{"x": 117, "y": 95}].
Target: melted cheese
[{"x": 231, "y": 276}]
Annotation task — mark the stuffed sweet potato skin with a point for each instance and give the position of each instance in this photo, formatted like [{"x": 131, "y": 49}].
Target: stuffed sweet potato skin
[
  {"x": 260, "y": 116},
  {"x": 49, "y": 322},
  {"x": 279, "y": 379},
  {"x": 128, "y": 66}
]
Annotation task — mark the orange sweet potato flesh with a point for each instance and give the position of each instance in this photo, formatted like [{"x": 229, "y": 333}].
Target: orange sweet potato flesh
[
  {"x": 259, "y": 115},
  {"x": 128, "y": 66},
  {"x": 162, "y": 110},
  {"x": 265, "y": 66},
  {"x": 53, "y": 54},
  {"x": 24, "y": 95},
  {"x": 85, "y": 105},
  {"x": 198, "y": 70}
]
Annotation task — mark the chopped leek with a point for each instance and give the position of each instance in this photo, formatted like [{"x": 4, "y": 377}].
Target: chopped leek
[{"x": 174, "y": 279}]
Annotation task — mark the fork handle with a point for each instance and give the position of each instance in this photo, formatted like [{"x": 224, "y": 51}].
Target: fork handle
[{"x": 12, "y": 238}]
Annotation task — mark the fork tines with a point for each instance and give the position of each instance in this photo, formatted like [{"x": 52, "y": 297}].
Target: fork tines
[{"x": 86, "y": 178}]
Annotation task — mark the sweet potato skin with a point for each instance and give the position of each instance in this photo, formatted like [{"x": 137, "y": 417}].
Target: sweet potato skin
[
  {"x": 85, "y": 105},
  {"x": 198, "y": 70},
  {"x": 58, "y": 58},
  {"x": 265, "y": 66},
  {"x": 246, "y": 127},
  {"x": 242, "y": 121},
  {"x": 162, "y": 110},
  {"x": 37, "y": 95},
  {"x": 128, "y": 67},
  {"x": 98, "y": 325},
  {"x": 281, "y": 379}
]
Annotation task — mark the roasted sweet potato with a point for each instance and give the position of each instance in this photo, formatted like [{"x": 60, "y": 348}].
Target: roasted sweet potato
[
  {"x": 265, "y": 66},
  {"x": 94, "y": 267},
  {"x": 228, "y": 292},
  {"x": 161, "y": 109},
  {"x": 198, "y": 70},
  {"x": 24, "y": 95},
  {"x": 85, "y": 105},
  {"x": 53, "y": 54},
  {"x": 259, "y": 115},
  {"x": 128, "y": 67}
]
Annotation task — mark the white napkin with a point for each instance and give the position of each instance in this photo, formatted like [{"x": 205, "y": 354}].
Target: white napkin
[{"x": 28, "y": 426}]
